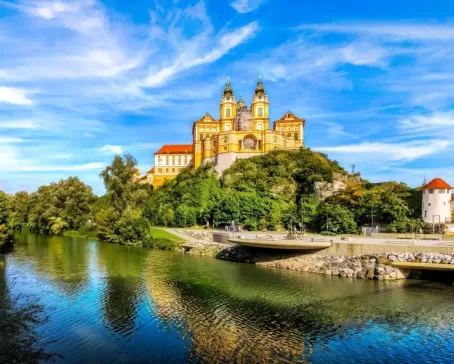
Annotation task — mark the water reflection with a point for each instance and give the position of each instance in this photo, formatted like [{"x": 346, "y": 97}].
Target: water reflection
[
  {"x": 110, "y": 303},
  {"x": 230, "y": 312},
  {"x": 123, "y": 285}
]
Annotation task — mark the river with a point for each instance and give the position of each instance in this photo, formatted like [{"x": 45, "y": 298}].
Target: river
[{"x": 113, "y": 304}]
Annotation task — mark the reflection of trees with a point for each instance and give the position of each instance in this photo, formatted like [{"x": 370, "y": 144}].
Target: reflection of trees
[
  {"x": 123, "y": 285},
  {"x": 19, "y": 341},
  {"x": 231, "y": 312},
  {"x": 63, "y": 260}
]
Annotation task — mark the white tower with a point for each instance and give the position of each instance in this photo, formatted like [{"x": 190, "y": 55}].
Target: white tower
[{"x": 436, "y": 202}]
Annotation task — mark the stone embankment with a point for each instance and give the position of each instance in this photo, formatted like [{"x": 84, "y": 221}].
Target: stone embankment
[
  {"x": 367, "y": 266},
  {"x": 378, "y": 266}
]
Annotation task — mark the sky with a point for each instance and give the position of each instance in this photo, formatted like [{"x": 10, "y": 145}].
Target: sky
[{"x": 82, "y": 81}]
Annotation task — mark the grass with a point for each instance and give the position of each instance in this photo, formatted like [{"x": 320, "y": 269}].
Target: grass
[
  {"x": 79, "y": 234},
  {"x": 157, "y": 233}
]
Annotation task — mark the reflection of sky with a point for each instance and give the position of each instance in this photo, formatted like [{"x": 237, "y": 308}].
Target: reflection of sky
[{"x": 182, "y": 306}]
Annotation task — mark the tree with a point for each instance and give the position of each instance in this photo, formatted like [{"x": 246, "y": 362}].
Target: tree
[
  {"x": 66, "y": 205},
  {"x": 336, "y": 217},
  {"x": 5, "y": 231},
  {"x": 119, "y": 217},
  {"x": 20, "y": 208},
  {"x": 121, "y": 189}
]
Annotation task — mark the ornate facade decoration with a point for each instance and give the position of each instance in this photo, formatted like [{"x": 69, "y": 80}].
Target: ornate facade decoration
[{"x": 240, "y": 132}]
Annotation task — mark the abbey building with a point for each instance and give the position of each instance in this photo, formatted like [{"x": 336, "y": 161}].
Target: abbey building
[{"x": 240, "y": 132}]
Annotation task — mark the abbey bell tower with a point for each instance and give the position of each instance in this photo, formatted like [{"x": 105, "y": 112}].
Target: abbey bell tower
[
  {"x": 260, "y": 107},
  {"x": 227, "y": 108}
]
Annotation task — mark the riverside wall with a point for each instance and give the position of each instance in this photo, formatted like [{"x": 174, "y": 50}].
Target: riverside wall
[{"x": 367, "y": 261}]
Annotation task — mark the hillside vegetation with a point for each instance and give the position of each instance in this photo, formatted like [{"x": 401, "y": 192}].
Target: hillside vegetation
[
  {"x": 276, "y": 191},
  {"x": 270, "y": 192}
]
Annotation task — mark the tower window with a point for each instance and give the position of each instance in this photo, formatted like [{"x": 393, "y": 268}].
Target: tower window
[
  {"x": 289, "y": 134},
  {"x": 425, "y": 213},
  {"x": 227, "y": 128},
  {"x": 296, "y": 136},
  {"x": 201, "y": 136},
  {"x": 226, "y": 140},
  {"x": 441, "y": 191},
  {"x": 431, "y": 191},
  {"x": 227, "y": 112},
  {"x": 282, "y": 129},
  {"x": 260, "y": 111},
  {"x": 259, "y": 127}
]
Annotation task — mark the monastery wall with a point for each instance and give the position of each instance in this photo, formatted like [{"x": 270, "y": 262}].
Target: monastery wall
[{"x": 225, "y": 160}]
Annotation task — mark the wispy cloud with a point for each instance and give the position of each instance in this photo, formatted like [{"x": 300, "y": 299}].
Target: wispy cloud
[
  {"x": 115, "y": 149},
  {"x": 394, "y": 31},
  {"x": 246, "y": 6},
  {"x": 11, "y": 95},
  {"x": 387, "y": 154}
]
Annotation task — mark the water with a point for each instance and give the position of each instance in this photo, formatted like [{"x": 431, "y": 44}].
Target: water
[{"x": 109, "y": 303}]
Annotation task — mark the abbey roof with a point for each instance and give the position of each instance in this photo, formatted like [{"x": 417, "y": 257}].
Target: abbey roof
[
  {"x": 290, "y": 117},
  {"x": 207, "y": 118},
  {"x": 175, "y": 149},
  {"x": 151, "y": 171},
  {"x": 437, "y": 184}
]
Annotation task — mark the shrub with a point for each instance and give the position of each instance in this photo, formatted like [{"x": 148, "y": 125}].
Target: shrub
[{"x": 328, "y": 233}]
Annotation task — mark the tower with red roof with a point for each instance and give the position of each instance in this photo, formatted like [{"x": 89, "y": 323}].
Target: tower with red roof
[{"x": 436, "y": 201}]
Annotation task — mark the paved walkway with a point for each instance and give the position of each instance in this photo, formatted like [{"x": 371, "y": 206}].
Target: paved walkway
[{"x": 337, "y": 239}]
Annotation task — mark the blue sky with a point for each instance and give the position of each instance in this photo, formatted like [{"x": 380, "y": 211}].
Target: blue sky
[{"x": 83, "y": 80}]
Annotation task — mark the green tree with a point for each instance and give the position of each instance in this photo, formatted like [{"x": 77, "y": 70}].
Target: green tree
[
  {"x": 335, "y": 217},
  {"x": 20, "y": 209},
  {"x": 121, "y": 189},
  {"x": 119, "y": 216},
  {"x": 66, "y": 205},
  {"x": 5, "y": 231}
]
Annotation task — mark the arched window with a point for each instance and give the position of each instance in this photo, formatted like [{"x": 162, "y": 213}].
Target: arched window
[
  {"x": 260, "y": 111},
  {"x": 259, "y": 127},
  {"x": 227, "y": 112}
]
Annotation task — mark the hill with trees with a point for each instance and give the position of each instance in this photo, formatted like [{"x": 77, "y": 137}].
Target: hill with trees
[{"x": 275, "y": 191}]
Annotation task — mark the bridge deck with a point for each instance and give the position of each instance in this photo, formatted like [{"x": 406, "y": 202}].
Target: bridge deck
[
  {"x": 424, "y": 266},
  {"x": 283, "y": 244}
]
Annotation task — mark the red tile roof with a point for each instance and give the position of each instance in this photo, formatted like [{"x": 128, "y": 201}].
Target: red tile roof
[
  {"x": 437, "y": 184},
  {"x": 151, "y": 171},
  {"x": 175, "y": 149}
]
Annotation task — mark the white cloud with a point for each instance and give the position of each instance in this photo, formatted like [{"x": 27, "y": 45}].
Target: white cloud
[
  {"x": 16, "y": 96},
  {"x": 394, "y": 31},
  {"x": 438, "y": 124},
  {"x": 198, "y": 53},
  {"x": 62, "y": 168},
  {"x": 246, "y": 6},
  {"x": 17, "y": 124},
  {"x": 116, "y": 149},
  {"x": 10, "y": 140},
  {"x": 380, "y": 153}
]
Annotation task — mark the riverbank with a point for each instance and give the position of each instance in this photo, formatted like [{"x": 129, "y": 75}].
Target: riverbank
[{"x": 365, "y": 261}]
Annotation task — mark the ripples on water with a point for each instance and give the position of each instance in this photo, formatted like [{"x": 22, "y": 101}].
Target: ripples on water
[{"x": 108, "y": 303}]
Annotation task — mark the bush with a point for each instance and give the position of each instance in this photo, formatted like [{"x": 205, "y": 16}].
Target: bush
[
  {"x": 328, "y": 233},
  {"x": 159, "y": 243}
]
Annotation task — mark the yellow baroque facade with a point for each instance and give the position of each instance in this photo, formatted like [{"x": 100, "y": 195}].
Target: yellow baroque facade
[{"x": 240, "y": 132}]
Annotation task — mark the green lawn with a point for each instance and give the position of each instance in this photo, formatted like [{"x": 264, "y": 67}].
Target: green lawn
[{"x": 159, "y": 233}]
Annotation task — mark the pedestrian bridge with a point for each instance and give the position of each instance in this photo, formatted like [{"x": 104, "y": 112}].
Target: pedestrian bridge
[{"x": 271, "y": 243}]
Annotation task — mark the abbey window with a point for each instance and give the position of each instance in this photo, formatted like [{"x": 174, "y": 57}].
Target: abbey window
[
  {"x": 260, "y": 111},
  {"x": 227, "y": 112}
]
